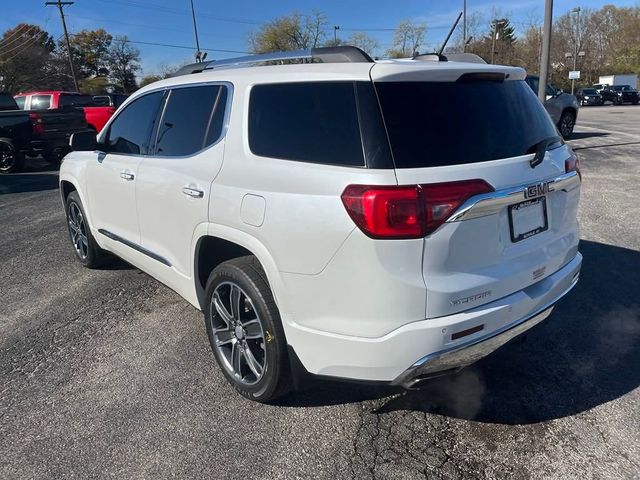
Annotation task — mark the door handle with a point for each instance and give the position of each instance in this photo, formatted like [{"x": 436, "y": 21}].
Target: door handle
[
  {"x": 193, "y": 192},
  {"x": 127, "y": 176}
]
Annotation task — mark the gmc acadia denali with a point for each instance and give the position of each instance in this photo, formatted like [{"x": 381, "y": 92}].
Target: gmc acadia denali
[{"x": 377, "y": 221}]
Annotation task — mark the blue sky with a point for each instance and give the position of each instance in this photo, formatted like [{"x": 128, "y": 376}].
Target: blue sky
[{"x": 226, "y": 25}]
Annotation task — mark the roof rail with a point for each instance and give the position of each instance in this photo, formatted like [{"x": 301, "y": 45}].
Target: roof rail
[
  {"x": 430, "y": 57},
  {"x": 342, "y": 54}
]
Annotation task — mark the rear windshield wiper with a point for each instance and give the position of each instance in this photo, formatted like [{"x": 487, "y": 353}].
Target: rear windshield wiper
[{"x": 541, "y": 148}]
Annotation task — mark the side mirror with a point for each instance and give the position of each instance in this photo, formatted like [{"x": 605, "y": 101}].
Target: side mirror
[{"x": 83, "y": 141}]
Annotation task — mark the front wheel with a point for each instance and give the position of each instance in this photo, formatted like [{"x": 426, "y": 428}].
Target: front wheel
[
  {"x": 566, "y": 124},
  {"x": 86, "y": 248},
  {"x": 245, "y": 331},
  {"x": 11, "y": 160}
]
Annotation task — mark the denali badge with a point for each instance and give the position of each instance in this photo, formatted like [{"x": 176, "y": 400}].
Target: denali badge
[
  {"x": 538, "y": 189},
  {"x": 538, "y": 272},
  {"x": 471, "y": 298}
]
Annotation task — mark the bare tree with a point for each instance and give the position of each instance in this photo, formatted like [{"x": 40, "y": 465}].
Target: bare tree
[
  {"x": 364, "y": 42},
  {"x": 407, "y": 38},
  {"x": 291, "y": 32},
  {"x": 124, "y": 61}
]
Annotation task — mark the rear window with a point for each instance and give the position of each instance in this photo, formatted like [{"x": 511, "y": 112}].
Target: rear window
[
  {"x": 588, "y": 91},
  {"x": 76, "y": 101},
  {"x": 314, "y": 122},
  {"x": 6, "y": 105},
  {"x": 432, "y": 124},
  {"x": 40, "y": 102}
]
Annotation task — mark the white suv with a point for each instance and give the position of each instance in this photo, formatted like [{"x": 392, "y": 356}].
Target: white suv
[{"x": 374, "y": 221}]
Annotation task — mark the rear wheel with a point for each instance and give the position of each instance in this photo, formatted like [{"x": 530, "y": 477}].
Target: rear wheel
[
  {"x": 86, "y": 248},
  {"x": 245, "y": 331},
  {"x": 11, "y": 160},
  {"x": 566, "y": 124}
]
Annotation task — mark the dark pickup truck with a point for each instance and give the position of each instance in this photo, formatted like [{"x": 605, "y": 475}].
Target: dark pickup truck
[{"x": 35, "y": 132}]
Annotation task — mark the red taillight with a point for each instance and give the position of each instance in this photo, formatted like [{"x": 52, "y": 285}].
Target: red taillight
[
  {"x": 411, "y": 211},
  {"x": 572, "y": 164},
  {"x": 36, "y": 124},
  {"x": 385, "y": 212},
  {"x": 443, "y": 199}
]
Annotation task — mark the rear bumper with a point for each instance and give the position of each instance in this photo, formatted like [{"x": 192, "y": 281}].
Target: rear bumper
[
  {"x": 461, "y": 356},
  {"x": 427, "y": 347}
]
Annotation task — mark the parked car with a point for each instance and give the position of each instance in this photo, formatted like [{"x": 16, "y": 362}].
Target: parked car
[
  {"x": 619, "y": 94},
  {"x": 96, "y": 115},
  {"x": 110, "y": 99},
  {"x": 561, "y": 106},
  {"x": 36, "y": 132},
  {"x": 598, "y": 87},
  {"x": 337, "y": 222},
  {"x": 630, "y": 79},
  {"x": 589, "y": 96}
]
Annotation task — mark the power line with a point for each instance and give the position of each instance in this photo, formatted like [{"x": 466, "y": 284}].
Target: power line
[
  {"x": 60, "y": 5},
  {"x": 185, "y": 47},
  {"x": 26, "y": 46},
  {"x": 17, "y": 32},
  {"x": 22, "y": 40}
]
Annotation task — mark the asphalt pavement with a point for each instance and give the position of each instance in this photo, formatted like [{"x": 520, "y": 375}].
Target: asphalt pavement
[{"x": 109, "y": 374}]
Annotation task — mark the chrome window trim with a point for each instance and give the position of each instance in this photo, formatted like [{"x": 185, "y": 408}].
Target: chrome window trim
[
  {"x": 225, "y": 123},
  {"x": 492, "y": 202},
  {"x": 132, "y": 98}
]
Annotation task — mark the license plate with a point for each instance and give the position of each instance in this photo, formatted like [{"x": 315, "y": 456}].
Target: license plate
[{"x": 528, "y": 218}]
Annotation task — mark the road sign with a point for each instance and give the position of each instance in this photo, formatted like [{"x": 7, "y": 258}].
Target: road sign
[{"x": 574, "y": 75}]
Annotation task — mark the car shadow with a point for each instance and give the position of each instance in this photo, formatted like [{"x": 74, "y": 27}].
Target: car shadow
[
  {"x": 37, "y": 175},
  {"x": 586, "y": 354},
  {"x": 581, "y": 135}
]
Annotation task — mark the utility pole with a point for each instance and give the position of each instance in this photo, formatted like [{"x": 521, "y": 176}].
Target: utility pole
[
  {"x": 195, "y": 30},
  {"x": 500, "y": 22},
  {"x": 335, "y": 35},
  {"x": 575, "y": 46},
  {"x": 464, "y": 26},
  {"x": 60, "y": 4},
  {"x": 546, "y": 47}
]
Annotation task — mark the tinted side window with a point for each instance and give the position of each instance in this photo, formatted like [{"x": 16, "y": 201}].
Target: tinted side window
[
  {"x": 186, "y": 118},
  {"x": 130, "y": 130},
  {"x": 40, "y": 102},
  {"x": 313, "y": 122},
  {"x": 76, "y": 101},
  {"x": 20, "y": 102}
]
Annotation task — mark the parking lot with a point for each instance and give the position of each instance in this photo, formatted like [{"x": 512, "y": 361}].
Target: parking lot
[{"x": 107, "y": 373}]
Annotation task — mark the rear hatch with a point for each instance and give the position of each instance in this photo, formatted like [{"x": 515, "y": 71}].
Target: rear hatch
[{"x": 509, "y": 219}]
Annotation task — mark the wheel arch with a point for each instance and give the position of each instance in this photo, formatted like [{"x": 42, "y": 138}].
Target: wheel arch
[{"x": 222, "y": 243}]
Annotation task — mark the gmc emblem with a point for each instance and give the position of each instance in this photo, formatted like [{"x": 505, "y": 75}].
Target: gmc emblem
[{"x": 538, "y": 190}]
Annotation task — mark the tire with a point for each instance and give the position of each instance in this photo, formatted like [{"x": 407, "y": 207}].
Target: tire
[
  {"x": 566, "y": 124},
  {"x": 53, "y": 157},
  {"x": 635, "y": 102},
  {"x": 85, "y": 246},
  {"x": 11, "y": 160},
  {"x": 248, "y": 342}
]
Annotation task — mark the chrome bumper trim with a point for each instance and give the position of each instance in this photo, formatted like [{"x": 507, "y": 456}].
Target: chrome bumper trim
[
  {"x": 493, "y": 202},
  {"x": 465, "y": 354}
]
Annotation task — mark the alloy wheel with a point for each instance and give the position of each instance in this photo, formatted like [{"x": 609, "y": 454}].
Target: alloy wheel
[
  {"x": 7, "y": 156},
  {"x": 238, "y": 335},
  {"x": 78, "y": 230},
  {"x": 566, "y": 125}
]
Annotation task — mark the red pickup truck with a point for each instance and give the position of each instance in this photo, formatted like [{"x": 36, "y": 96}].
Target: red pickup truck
[{"x": 96, "y": 115}]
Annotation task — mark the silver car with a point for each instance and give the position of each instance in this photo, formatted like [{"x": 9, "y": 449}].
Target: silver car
[{"x": 562, "y": 107}]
